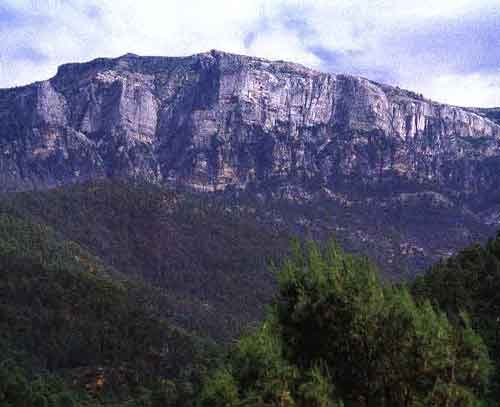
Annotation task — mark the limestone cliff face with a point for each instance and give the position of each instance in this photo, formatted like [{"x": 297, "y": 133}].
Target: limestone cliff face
[{"x": 216, "y": 120}]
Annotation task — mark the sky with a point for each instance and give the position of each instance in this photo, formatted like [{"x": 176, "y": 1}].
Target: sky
[{"x": 448, "y": 50}]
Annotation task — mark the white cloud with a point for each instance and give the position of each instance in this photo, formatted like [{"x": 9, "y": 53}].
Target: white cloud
[
  {"x": 80, "y": 30},
  {"x": 282, "y": 44},
  {"x": 362, "y": 32},
  {"x": 478, "y": 90}
]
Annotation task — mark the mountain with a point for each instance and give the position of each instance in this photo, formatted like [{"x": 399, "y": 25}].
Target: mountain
[{"x": 393, "y": 174}]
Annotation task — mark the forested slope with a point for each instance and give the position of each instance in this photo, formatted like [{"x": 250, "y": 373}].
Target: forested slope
[
  {"x": 207, "y": 261},
  {"x": 69, "y": 332}
]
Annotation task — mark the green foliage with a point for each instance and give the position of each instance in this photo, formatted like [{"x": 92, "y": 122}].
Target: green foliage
[
  {"x": 317, "y": 389},
  {"x": 335, "y": 336},
  {"x": 206, "y": 259},
  {"x": 17, "y": 389},
  {"x": 338, "y": 337},
  {"x": 259, "y": 367},
  {"x": 220, "y": 390},
  {"x": 468, "y": 284},
  {"x": 61, "y": 314}
]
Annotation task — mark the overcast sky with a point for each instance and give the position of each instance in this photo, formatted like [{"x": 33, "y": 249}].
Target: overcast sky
[{"x": 449, "y": 50}]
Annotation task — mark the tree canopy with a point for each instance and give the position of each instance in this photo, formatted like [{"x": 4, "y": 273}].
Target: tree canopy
[{"x": 337, "y": 336}]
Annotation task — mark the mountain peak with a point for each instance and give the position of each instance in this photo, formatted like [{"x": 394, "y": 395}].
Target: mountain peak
[{"x": 129, "y": 55}]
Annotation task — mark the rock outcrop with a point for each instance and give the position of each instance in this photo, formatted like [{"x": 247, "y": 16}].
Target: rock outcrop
[{"x": 217, "y": 121}]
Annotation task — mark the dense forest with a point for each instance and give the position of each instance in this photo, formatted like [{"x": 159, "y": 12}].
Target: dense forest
[
  {"x": 207, "y": 260},
  {"x": 337, "y": 336},
  {"x": 72, "y": 333},
  {"x": 92, "y": 313}
]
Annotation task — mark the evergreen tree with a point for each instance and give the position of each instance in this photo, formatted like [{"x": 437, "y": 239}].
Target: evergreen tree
[{"x": 337, "y": 336}]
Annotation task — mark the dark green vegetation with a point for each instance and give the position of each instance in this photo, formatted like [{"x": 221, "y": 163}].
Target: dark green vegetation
[
  {"x": 70, "y": 334},
  {"x": 108, "y": 291},
  {"x": 336, "y": 336},
  {"x": 470, "y": 282},
  {"x": 206, "y": 260},
  {"x": 392, "y": 229}
]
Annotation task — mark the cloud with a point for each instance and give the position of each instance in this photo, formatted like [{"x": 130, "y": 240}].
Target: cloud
[
  {"x": 426, "y": 46},
  {"x": 465, "y": 89}
]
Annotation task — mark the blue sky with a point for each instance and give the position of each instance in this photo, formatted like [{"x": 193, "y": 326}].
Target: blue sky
[{"x": 449, "y": 50}]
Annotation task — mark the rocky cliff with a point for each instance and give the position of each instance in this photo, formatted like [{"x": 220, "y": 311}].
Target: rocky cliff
[{"x": 217, "y": 121}]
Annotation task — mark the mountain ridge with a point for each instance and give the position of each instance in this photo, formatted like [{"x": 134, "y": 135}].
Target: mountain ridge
[
  {"x": 481, "y": 111},
  {"x": 365, "y": 110},
  {"x": 221, "y": 122}
]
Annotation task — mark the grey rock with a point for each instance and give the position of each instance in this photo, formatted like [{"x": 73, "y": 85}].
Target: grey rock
[{"x": 217, "y": 121}]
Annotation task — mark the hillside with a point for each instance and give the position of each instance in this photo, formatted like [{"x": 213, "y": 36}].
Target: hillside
[
  {"x": 76, "y": 328},
  {"x": 206, "y": 261},
  {"x": 70, "y": 334},
  {"x": 206, "y": 256}
]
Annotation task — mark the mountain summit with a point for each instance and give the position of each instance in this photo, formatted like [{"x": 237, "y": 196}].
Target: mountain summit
[{"x": 217, "y": 121}]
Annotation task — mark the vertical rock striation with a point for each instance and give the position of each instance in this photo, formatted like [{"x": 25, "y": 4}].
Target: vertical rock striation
[{"x": 218, "y": 121}]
